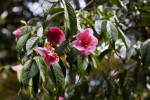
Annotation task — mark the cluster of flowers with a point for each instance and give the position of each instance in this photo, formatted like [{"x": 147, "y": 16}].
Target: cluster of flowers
[{"x": 85, "y": 43}]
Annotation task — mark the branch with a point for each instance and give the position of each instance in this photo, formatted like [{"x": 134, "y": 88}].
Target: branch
[
  {"x": 86, "y": 5},
  {"x": 136, "y": 27}
]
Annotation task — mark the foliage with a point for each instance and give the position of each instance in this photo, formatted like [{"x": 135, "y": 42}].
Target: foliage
[{"x": 94, "y": 76}]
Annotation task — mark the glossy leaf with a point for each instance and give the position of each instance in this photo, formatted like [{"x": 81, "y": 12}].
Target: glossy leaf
[
  {"x": 112, "y": 33},
  {"x": 145, "y": 52},
  {"x": 48, "y": 5},
  {"x": 100, "y": 26},
  {"x": 22, "y": 41},
  {"x": 32, "y": 43},
  {"x": 41, "y": 66},
  {"x": 82, "y": 63},
  {"x": 60, "y": 79},
  {"x": 70, "y": 18}
]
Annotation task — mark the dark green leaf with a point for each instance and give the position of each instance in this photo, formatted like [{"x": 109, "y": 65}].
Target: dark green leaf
[
  {"x": 60, "y": 79},
  {"x": 34, "y": 20},
  {"x": 22, "y": 97},
  {"x": 35, "y": 81},
  {"x": 145, "y": 52},
  {"x": 82, "y": 63},
  {"x": 50, "y": 18},
  {"x": 22, "y": 41},
  {"x": 32, "y": 43},
  {"x": 125, "y": 40},
  {"x": 59, "y": 50},
  {"x": 56, "y": 10},
  {"x": 70, "y": 18},
  {"x": 48, "y": 5},
  {"x": 5, "y": 68},
  {"x": 96, "y": 60},
  {"x": 112, "y": 33},
  {"x": 25, "y": 72},
  {"x": 100, "y": 26},
  {"x": 123, "y": 2},
  {"x": 42, "y": 66},
  {"x": 102, "y": 54}
]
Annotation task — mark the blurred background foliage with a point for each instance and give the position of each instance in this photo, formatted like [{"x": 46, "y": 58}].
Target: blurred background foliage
[{"x": 133, "y": 18}]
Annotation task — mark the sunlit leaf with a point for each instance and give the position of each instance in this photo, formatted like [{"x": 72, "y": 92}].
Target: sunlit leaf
[
  {"x": 32, "y": 43},
  {"x": 112, "y": 33}
]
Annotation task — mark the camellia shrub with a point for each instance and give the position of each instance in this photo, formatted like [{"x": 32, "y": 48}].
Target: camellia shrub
[{"x": 92, "y": 54}]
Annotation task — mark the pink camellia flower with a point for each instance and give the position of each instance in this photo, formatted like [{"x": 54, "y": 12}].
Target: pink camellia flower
[
  {"x": 15, "y": 68},
  {"x": 55, "y": 35},
  {"x": 17, "y": 33},
  {"x": 85, "y": 42},
  {"x": 50, "y": 57},
  {"x": 61, "y": 98}
]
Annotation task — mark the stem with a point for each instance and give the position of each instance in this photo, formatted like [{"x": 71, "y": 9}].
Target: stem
[{"x": 86, "y": 5}]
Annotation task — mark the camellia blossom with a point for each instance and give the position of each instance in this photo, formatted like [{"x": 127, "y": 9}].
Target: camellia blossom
[
  {"x": 15, "y": 68},
  {"x": 55, "y": 35},
  {"x": 50, "y": 57},
  {"x": 85, "y": 42},
  {"x": 17, "y": 33},
  {"x": 61, "y": 98}
]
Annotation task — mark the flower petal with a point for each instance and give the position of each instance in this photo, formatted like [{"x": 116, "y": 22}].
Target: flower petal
[
  {"x": 47, "y": 61},
  {"x": 42, "y": 51},
  {"x": 77, "y": 45},
  {"x": 17, "y": 33},
  {"x": 15, "y": 68},
  {"x": 85, "y": 52}
]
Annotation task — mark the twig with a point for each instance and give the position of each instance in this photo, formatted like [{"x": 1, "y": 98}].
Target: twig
[
  {"x": 136, "y": 27},
  {"x": 86, "y": 5}
]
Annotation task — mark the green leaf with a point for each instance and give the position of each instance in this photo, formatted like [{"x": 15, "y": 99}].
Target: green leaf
[
  {"x": 70, "y": 18},
  {"x": 59, "y": 50},
  {"x": 32, "y": 43},
  {"x": 112, "y": 33},
  {"x": 42, "y": 66},
  {"x": 96, "y": 60},
  {"x": 48, "y": 5},
  {"x": 22, "y": 97},
  {"x": 22, "y": 41},
  {"x": 34, "y": 20},
  {"x": 5, "y": 68},
  {"x": 125, "y": 40},
  {"x": 56, "y": 10},
  {"x": 82, "y": 63},
  {"x": 123, "y": 2},
  {"x": 50, "y": 18},
  {"x": 102, "y": 54},
  {"x": 72, "y": 55},
  {"x": 60, "y": 79},
  {"x": 100, "y": 26},
  {"x": 126, "y": 53},
  {"x": 145, "y": 52},
  {"x": 88, "y": 21},
  {"x": 27, "y": 72}
]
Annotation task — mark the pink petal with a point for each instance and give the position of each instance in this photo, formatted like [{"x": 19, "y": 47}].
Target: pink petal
[
  {"x": 15, "y": 68},
  {"x": 17, "y": 33},
  {"x": 61, "y": 98},
  {"x": 85, "y": 52},
  {"x": 77, "y": 45},
  {"x": 47, "y": 61},
  {"x": 94, "y": 41},
  {"x": 89, "y": 31},
  {"x": 42, "y": 51}
]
